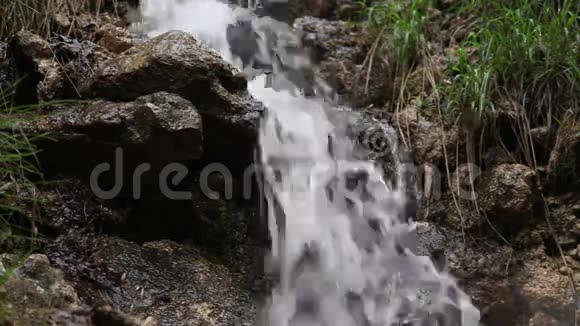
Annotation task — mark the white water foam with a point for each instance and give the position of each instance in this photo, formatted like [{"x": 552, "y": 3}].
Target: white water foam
[{"x": 339, "y": 234}]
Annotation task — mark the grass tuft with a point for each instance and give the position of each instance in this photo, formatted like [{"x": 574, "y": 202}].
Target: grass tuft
[{"x": 526, "y": 53}]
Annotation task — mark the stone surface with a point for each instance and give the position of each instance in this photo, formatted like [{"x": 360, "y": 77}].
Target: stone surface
[
  {"x": 507, "y": 194},
  {"x": 114, "y": 38},
  {"x": 546, "y": 289},
  {"x": 340, "y": 52},
  {"x": 154, "y": 129},
  {"x": 426, "y": 136},
  {"x": 170, "y": 283},
  {"x": 177, "y": 63},
  {"x": 174, "y": 62}
]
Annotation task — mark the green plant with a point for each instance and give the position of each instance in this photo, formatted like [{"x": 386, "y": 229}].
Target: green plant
[
  {"x": 526, "y": 53},
  {"x": 400, "y": 29},
  {"x": 470, "y": 84},
  {"x": 18, "y": 166}
]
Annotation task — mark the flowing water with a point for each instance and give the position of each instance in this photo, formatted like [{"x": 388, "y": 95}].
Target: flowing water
[{"x": 340, "y": 240}]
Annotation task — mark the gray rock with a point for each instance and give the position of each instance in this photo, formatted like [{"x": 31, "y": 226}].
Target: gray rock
[
  {"x": 155, "y": 129},
  {"x": 164, "y": 124},
  {"x": 507, "y": 194},
  {"x": 174, "y": 62},
  {"x": 340, "y": 51},
  {"x": 177, "y": 63}
]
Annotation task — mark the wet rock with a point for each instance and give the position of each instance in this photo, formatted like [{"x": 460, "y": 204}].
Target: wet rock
[
  {"x": 97, "y": 316},
  {"x": 340, "y": 52},
  {"x": 377, "y": 139},
  {"x": 508, "y": 193},
  {"x": 154, "y": 129},
  {"x": 71, "y": 204},
  {"x": 34, "y": 292},
  {"x": 173, "y": 284},
  {"x": 330, "y": 39},
  {"x": 114, "y": 38}
]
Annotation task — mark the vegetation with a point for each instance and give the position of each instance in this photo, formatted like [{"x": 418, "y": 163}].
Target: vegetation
[
  {"x": 18, "y": 166},
  {"x": 527, "y": 53},
  {"x": 518, "y": 58},
  {"x": 45, "y": 17}
]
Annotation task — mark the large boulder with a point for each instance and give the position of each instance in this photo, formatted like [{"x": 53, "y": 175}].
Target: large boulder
[
  {"x": 156, "y": 129},
  {"x": 176, "y": 62},
  {"x": 508, "y": 194}
]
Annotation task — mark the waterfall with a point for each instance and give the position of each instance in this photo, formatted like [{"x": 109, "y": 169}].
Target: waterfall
[{"x": 340, "y": 239}]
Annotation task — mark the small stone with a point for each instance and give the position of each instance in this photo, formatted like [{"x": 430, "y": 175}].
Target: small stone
[
  {"x": 114, "y": 39},
  {"x": 563, "y": 270}
]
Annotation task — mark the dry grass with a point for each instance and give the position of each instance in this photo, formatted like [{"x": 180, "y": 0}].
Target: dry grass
[{"x": 45, "y": 17}]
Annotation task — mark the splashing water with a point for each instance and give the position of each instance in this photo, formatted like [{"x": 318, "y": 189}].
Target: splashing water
[{"x": 340, "y": 237}]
